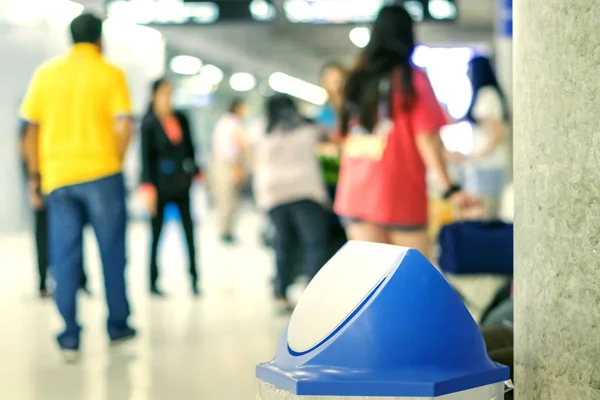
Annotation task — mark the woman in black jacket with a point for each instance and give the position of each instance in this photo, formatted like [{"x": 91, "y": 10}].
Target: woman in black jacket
[{"x": 168, "y": 170}]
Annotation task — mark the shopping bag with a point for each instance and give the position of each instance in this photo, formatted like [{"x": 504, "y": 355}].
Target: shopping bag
[{"x": 364, "y": 184}]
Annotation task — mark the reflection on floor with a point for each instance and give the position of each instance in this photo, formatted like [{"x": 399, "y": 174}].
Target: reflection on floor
[{"x": 189, "y": 349}]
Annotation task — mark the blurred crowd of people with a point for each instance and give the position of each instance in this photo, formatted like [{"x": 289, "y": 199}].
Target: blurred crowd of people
[{"x": 356, "y": 170}]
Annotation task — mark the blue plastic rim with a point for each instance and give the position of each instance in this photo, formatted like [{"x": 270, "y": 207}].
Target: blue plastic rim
[{"x": 412, "y": 337}]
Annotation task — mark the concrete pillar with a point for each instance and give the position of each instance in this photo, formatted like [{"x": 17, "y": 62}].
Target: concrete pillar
[{"x": 557, "y": 183}]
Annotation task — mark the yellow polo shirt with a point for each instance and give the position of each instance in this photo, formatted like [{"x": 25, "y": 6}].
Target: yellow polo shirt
[{"x": 75, "y": 100}]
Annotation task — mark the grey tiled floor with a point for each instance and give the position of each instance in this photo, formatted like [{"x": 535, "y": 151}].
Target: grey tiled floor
[{"x": 189, "y": 349}]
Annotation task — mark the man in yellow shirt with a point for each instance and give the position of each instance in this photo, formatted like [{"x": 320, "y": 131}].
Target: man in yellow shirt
[{"x": 79, "y": 113}]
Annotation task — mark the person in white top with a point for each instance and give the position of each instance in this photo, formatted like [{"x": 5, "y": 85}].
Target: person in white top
[
  {"x": 228, "y": 171},
  {"x": 485, "y": 169},
  {"x": 289, "y": 186}
]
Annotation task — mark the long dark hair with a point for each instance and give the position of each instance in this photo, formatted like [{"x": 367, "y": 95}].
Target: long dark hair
[
  {"x": 482, "y": 75},
  {"x": 153, "y": 89},
  {"x": 390, "y": 50},
  {"x": 283, "y": 114}
]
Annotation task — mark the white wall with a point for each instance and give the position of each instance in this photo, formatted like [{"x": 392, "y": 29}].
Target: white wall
[{"x": 33, "y": 31}]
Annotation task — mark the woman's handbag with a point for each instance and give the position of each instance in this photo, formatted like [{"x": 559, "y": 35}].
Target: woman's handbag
[
  {"x": 363, "y": 185},
  {"x": 477, "y": 247}
]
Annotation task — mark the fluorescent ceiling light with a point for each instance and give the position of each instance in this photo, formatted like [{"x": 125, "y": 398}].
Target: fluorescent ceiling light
[
  {"x": 360, "y": 36},
  {"x": 199, "y": 86},
  {"x": 415, "y": 9},
  {"x": 303, "y": 90},
  {"x": 206, "y": 81},
  {"x": 163, "y": 11},
  {"x": 442, "y": 9},
  {"x": 242, "y": 82},
  {"x": 211, "y": 74},
  {"x": 262, "y": 10},
  {"x": 332, "y": 11},
  {"x": 186, "y": 65},
  {"x": 116, "y": 29}
]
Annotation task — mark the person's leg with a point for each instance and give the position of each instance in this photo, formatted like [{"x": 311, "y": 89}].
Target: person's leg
[
  {"x": 366, "y": 232},
  {"x": 83, "y": 285},
  {"x": 41, "y": 241},
  {"x": 417, "y": 239},
  {"x": 185, "y": 211},
  {"x": 157, "y": 225},
  {"x": 231, "y": 206},
  {"x": 65, "y": 223},
  {"x": 311, "y": 222},
  {"x": 226, "y": 195},
  {"x": 283, "y": 245},
  {"x": 107, "y": 213}
]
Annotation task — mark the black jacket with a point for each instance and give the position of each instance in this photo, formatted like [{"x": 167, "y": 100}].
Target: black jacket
[{"x": 169, "y": 167}]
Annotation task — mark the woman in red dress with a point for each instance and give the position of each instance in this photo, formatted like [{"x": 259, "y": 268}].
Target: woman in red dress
[{"x": 391, "y": 121}]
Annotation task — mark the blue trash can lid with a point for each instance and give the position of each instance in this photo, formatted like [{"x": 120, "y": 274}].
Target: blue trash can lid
[{"x": 380, "y": 320}]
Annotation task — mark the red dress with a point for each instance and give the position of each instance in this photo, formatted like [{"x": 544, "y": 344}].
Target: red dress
[{"x": 391, "y": 189}]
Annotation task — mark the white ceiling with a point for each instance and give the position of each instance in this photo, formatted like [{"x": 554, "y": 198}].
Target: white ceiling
[{"x": 300, "y": 50}]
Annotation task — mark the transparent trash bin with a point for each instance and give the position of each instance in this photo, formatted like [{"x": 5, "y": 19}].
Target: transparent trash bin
[{"x": 380, "y": 322}]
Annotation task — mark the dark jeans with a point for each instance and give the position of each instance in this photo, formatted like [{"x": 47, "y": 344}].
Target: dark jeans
[
  {"x": 102, "y": 204},
  {"x": 41, "y": 244},
  {"x": 306, "y": 220},
  {"x": 184, "y": 206}
]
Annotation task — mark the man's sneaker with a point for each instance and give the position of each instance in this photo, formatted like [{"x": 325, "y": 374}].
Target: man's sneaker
[
  {"x": 156, "y": 292},
  {"x": 70, "y": 356},
  {"x": 228, "y": 239},
  {"x": 86, "y": 291},
  {"x": 69, "y": 348},
  {"x": 195, "y": 291},
  {"x": 122, "y": 336}
]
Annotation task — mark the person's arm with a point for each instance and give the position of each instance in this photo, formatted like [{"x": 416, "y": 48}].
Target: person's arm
[
  {"x": 147, "y": 152},
  {"x": 188, "y": 140},
  {"x": 427, "y": 120},
  {"x": 31, "y": 112},
  {"x": 432, "y": 152},
  {"x": 122, "y": 111},
  {"x": 124, "y": 132},
  {"x": 31, "y": 152},
  {"x": 147, "y": 188},
  {"x": 489, "y": 112},
  {"x": 327, "y": 146},
  {"x": 240, "y": 139},
  {"x": 496, "y": 136}
]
